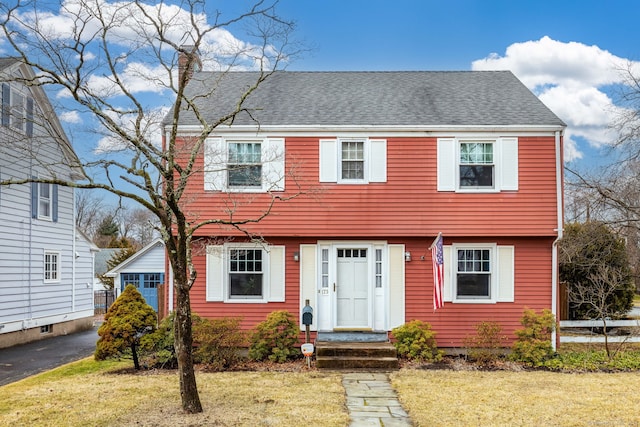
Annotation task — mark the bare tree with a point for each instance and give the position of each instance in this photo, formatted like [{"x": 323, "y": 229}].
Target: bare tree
[
  {"x": 99, "y": 58},
  {"x": 139, "y": 226},
  {"x": 596, "y": 296},
  {"x": 89, "y": 211}
]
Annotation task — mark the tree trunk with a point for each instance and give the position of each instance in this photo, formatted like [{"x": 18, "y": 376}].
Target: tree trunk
[
  {"x": 134, "y": 354},
  {"x": 184, "y": 345}
]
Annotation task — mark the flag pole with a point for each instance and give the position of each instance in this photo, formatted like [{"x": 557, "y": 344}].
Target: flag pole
[{"x": 435, "y": 240}]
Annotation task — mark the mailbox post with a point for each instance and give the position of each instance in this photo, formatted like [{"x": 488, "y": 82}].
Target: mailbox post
[{"x": 307, "y": 319}]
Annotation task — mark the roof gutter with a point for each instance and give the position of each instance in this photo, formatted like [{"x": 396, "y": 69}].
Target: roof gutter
[{"x": 554, "y": 251}]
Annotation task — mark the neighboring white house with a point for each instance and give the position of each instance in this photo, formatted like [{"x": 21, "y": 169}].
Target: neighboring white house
[
  {"x": 46, "y": 264},
  {"x": 145, "y": 269}
]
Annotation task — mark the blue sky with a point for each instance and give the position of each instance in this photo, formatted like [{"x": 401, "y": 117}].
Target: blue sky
[
  {"x": 565, "y": 51},
  {"x": 450, "y": 34}
]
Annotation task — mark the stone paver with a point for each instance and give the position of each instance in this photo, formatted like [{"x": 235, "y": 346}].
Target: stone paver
[{"x": 372, "y": 402}]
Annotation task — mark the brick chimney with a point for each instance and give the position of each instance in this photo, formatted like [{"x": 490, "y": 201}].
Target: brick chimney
[{"x": 188, "y": 61}]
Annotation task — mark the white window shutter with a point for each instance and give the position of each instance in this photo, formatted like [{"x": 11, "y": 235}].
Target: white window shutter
[
  {"x": 215, "y": 273},
  {"x": 273, "y": 170},
  {"x": 308, "y": 284},
  {"x": 446, "y": 164},
  {"x": 505, "y": 271},
  {"x": 396, "y": 286},
  {"x": 447, "y": 260},
  {"x": 378, "y": 160},
  {"x": 508, "y": 164},
  {"x": 215, "y": 164},
  {"x": 276, "y": 274},
  {"x": 328, "y": 160}
]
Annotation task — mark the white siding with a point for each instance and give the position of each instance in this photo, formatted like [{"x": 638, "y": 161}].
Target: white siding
[{"x": 24, "y": 296}]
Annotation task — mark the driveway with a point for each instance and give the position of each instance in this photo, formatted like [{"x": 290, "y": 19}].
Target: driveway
[{"x": 22, "y": 361}]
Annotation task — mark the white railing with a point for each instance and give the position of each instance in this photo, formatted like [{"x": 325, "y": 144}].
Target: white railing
[{"x": 597, "y": 338}]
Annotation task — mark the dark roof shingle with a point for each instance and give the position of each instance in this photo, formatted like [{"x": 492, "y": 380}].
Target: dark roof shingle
[{"x": 402, "y": 99}]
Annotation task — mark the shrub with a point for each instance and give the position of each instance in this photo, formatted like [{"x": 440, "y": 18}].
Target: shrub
[
  {"x": 533, "y": 345},
  {"x": 159, "y": 345},
  {"x": 416, "y": 341},
  {"x": 125, "y": 322},
  {"x": 218, "y": 342},
  {"x": 488, "y": 344},
  {"x": 275, "y": 338}
]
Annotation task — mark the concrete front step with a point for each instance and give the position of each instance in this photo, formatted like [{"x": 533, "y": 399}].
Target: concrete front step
[{"x": 356, "y": 355}]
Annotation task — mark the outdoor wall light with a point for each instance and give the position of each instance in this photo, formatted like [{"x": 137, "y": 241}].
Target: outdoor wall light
[
  {"x": 407, "y": 256},
  {"x": 296, "y": 256}
]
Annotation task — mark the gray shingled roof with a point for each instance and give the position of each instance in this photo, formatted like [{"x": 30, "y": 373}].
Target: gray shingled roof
[
  {"x": 403, "y": 98},
  {"x": 6, "y": 62}
]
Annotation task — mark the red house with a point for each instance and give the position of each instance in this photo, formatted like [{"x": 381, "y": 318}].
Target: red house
[{"x": 386, "y": 161}]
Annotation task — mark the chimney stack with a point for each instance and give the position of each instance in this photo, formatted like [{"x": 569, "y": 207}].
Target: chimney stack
[{"x": 188, "y": 61}]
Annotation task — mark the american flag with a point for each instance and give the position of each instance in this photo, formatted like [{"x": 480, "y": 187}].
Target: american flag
[{"x": 437, "y": 259}]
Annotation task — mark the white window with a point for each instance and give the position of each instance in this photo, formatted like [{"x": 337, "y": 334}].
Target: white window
[
  {"x": 244, "y": 272},
  {"x": 51, "y": 266},
  {"x": 17, "y": 109},
  {"x": 248, "y": 165},
  {"x": 473, "y": 273},
  {"x": 477, "y": 164},
  {"x": 478, "y": 273},
  {"x": 244, "y": 166},
  {"x": 353, "y": 161},
  {"x": 44, "y": 201}
]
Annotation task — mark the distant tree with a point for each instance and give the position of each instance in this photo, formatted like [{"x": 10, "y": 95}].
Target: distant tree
[
  {"x": 89, "y": 211},
  {"x": 139, "y": 226},
  {"x": 595, "y": 266},
  {"x": 116, "y": 259},
  {"x": 107, "y": 231},
  {"x": 128, "y": 318}
]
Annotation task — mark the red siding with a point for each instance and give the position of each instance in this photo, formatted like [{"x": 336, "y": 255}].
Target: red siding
[
  {"x": 406, "y": 205},
  {"x": 406, "y": 209},
  {"x": 454, "y": 322}
]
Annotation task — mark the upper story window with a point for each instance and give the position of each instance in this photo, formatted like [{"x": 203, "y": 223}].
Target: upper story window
[
  {"x": 244, "y": 165},
  {"x": 17, "y": 110},
  {"x": 44, "y": 201},
  {"x": 477, "y": 165},
  {"x": 353, "y": 161}
]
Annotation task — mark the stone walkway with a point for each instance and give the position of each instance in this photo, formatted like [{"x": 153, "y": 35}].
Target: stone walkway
[{"x": 372, "y": 402}]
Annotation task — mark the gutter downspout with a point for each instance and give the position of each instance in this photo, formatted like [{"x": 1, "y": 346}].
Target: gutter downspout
[{"x": 554, "y": 251}]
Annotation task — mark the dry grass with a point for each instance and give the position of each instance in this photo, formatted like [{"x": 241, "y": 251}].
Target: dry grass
[
  {"x": 105, "y": 398},
  {"x": 89, "y": 393},
  {"x": 477, "y": 398}
]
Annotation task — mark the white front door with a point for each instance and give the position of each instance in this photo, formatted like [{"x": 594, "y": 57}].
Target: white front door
[{"x": 352, "y": 288}]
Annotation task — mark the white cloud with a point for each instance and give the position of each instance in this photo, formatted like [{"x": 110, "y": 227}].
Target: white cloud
[
  {"x": 136, "y": 34},
  {"x": 571, "y": 79},
  {"x": 71, "y": 117}
]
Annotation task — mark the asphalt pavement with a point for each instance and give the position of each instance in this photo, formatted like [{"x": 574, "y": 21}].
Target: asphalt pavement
[{"x": 22, "y": 361}]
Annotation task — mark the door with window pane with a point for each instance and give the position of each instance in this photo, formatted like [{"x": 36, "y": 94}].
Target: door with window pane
[
  {"x": 352, "y": 288},
  {"x": 147, "y": 284}
]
